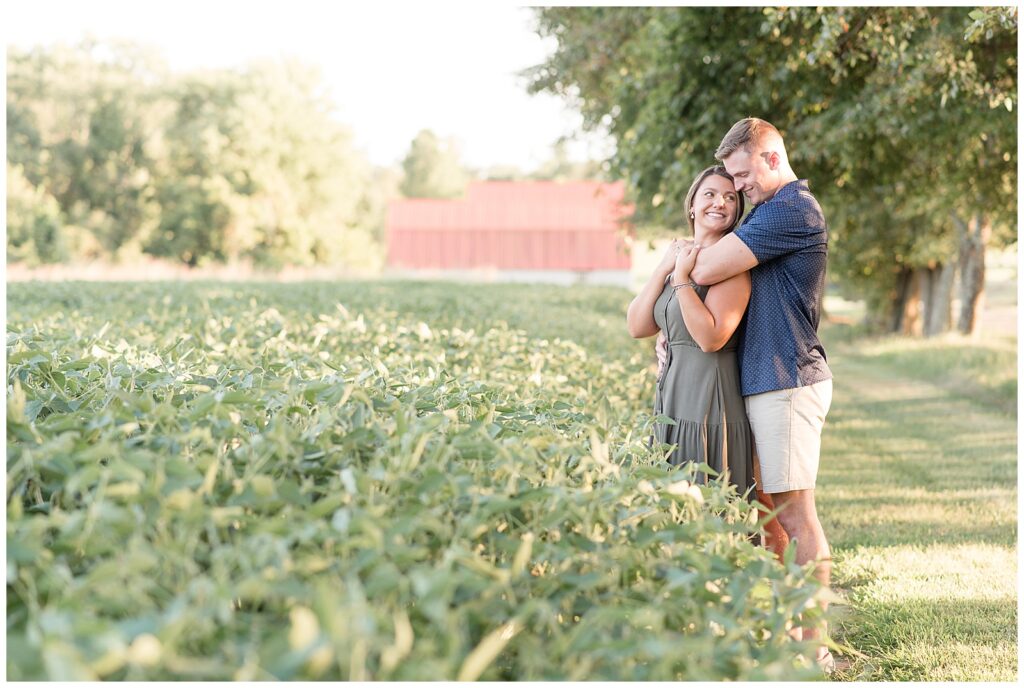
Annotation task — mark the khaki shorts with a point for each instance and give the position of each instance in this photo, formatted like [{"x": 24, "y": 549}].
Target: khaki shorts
[{"x": 787, "y": 427}]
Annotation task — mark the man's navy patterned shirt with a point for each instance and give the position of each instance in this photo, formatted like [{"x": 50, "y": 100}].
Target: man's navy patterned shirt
[{"x": 779, "y": 345}]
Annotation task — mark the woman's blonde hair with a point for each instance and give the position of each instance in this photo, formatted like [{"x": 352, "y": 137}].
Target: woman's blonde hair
[{"x": 720, "y": 171}]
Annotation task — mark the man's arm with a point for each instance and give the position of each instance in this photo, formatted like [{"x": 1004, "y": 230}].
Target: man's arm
[{"x": 726, "y": 258}]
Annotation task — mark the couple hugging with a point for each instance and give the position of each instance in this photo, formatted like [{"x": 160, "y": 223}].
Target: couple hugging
[{"x": 748, "y": 395}]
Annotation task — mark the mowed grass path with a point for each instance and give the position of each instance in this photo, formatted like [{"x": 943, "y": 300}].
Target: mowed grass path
[{"x": 917, "y": 494}]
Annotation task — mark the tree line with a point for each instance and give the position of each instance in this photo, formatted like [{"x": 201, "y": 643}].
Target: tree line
[
  {"x": 111, "y": 156},
  {"x": 432, "y": 169},
  {"x": 902, "y": 119}
]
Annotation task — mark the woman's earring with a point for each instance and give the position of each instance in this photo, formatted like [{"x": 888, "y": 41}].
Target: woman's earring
[{"x": 691, "y": 215}]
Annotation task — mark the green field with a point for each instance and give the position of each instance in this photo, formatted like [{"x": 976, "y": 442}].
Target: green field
[{"x": 426, "y": 481}]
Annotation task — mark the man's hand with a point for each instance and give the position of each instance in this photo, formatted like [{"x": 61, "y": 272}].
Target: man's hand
[{"x": 661, "y": 350}]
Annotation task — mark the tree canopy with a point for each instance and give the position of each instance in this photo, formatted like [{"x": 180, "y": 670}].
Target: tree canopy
[
  {"x": 432, "y": 169},
  {"x": 902, "y": 118},
  {"x": 243, "y": 164}
]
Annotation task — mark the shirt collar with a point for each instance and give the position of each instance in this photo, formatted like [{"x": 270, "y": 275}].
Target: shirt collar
[
  {"x": 793, "y": 187},
  {"x": 789, "y": 189}
]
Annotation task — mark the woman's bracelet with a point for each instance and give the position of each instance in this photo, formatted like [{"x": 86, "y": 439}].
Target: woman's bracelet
[{"x": 691, "y": 283}]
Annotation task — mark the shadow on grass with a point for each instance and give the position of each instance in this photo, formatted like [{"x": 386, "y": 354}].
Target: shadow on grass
[
  {"x": 922, "y": 442},
  {"x": 919, "y": 533},
  {"x": 932, "y": 640},
  {"x": 919, "y": 451}
]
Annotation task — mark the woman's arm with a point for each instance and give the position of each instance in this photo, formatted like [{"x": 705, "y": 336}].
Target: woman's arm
[
  {"x": 640, "y": 315},
  {"x": 711, "y": 322}
]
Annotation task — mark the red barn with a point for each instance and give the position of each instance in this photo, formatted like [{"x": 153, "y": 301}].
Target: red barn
[{"x": 513, "y": 225}]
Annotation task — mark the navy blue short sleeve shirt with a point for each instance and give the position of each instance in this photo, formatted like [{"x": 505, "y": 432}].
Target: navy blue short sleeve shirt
[{"x": 779, "y": 345}]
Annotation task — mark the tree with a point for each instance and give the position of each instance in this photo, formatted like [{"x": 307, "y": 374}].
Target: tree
[
  {"x": 432, "y": 169},
  {"x": 80, "y": 126},
  {"x": 886, "y": 110},
  {"x": 991, "y": 77},
  {"x": 560, "y": 167},
  {"x": 373, "y": 207},
  {"x": 34, "y": 227},
  {"x": 207, "y": 166},
  {"x": 504, "y": 173},
  {"x": 932, "y": 107},
  {"x": 257, "y": 168}
]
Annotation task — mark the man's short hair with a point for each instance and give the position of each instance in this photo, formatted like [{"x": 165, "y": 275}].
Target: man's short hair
[{"x": 745, "y": 134}]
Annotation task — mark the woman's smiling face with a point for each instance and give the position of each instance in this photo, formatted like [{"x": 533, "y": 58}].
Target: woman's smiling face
[{"x": 715, "y": 204}]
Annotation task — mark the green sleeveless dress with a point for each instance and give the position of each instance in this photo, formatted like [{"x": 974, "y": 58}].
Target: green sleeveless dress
[{"x": 701, "y": 393}]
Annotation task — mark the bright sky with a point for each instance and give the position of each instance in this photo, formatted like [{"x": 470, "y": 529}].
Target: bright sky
[{"x": 392, "y": 68}]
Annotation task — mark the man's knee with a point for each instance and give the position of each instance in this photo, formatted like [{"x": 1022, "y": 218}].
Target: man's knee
[
  {"x": 795, "y": 524},
  {"x": 796, "y": 510}
]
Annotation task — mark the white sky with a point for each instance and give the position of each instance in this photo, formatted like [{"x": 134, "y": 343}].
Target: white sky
[{"x": 392, "y": 68}]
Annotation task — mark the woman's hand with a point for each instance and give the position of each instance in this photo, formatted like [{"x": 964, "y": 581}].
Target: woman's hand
[
  {"x": 668, "y": 261},
  {"x": 685, "y": 261}
]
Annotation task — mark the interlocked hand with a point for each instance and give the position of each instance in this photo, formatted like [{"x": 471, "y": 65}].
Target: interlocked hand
[{"x": 685, "y": 260}]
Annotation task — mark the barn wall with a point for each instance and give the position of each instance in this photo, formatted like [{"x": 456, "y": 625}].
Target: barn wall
[{"x": 521, "y": 249}]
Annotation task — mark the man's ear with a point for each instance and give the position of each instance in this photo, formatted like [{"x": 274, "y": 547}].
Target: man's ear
[{"x": 771, "y": 159}]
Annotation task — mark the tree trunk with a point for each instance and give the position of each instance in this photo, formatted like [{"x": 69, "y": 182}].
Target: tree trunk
[
  {"x": 907, "y": 304},
  {"x": 938, "y": 310},
  {"x": 973, "y": 235}
]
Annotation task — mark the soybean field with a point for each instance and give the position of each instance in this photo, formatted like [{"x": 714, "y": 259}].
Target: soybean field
[{"x": 363, "y": 481}]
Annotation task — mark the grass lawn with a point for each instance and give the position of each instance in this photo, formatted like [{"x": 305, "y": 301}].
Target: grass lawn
[{"x": 917, "y": 494}]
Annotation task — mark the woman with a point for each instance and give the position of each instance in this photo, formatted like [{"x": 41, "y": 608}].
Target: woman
[{"x": 698, "y": 385}]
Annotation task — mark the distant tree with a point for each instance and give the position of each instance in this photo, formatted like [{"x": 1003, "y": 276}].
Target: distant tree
[
  {"x": 504, "y": 173},
  {"x": 382, "y": 187},
  {"x": 560, "y": 167},
  {"x": 432, "y": 169},
  {"x": 35, "y": 232},
  {"x": 206, "y": 166},
  {"x": 81, "y": 122},
  {"x": 257, "y": 168}
]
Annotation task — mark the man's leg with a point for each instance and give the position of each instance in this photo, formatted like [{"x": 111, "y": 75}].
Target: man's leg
[
  {"x": 775, "y": 538},
  {"x": 787, "y": 427},
  {"x": 799, "y": 519}
]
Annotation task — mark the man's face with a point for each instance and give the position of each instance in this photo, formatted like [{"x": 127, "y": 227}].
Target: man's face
[{"x": 753, "y": 175}]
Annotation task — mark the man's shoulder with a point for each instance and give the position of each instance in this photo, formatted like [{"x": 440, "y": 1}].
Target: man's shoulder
[
  {"x": 796, "y": 202},
  {"x": 790, "y": 213},
  {"x": 794, "y": 193}
]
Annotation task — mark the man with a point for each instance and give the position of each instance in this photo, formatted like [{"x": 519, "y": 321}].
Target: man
[{"x": 785, "y": 381}]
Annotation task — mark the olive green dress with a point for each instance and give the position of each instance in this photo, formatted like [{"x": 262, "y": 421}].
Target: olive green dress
[{"x": 701, "y": 393}]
